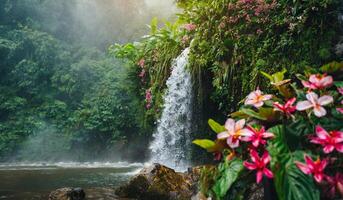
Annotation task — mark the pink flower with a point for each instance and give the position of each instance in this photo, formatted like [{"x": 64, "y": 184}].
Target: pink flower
[
  {"x": 288, "y": 108},
  {"x": 340, "y": 90},
  {"x": 259, "y": 164},
  {"x": 330, "y": 141},
  {"x": 340, "y": 110},
  {"x": 141, "y": 63},
  {"x": 256, "y": 98},
  {"x": 190, "y": 27},
  {"x": 335, "y": 182},
  {"x": 315, "y": 168},
  {"x": 315, "y": 103},
  {"x": 318, "y": 81},
  {"x": 234, "y": 132},
  {"x": 257, "y": 137},
  {"x": 142, "y": 74},
  {"x": 259, "y": 31},
  {"x": 217, "y": 156},
  {"x": 148, "y": 98}
]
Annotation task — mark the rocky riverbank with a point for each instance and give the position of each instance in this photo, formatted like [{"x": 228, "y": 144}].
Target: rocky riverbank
[{"x": 155, "y": 182}]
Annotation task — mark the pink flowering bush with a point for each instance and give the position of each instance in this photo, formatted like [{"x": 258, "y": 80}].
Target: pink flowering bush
[{"x": 293, "y": 138}]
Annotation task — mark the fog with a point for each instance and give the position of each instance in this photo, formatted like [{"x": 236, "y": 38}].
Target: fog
[{"x": 100, "y": 22}]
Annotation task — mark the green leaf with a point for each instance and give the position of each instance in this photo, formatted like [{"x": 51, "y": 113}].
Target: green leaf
[
  {"x": 332, "y": 67},
  {"x": 215, "y": 126},
  {"x": 205, "y": 144},
  {"x": 229, "y": 172},
  {"x": 267, "y": 76},
  {"x": 290, "y": 182},
  {"x": 253, "y": 114}
]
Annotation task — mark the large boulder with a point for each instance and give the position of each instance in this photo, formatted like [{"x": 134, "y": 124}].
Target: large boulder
[
  {"x": 67, "y": 194},
  {"x": 158, "y": 182}
]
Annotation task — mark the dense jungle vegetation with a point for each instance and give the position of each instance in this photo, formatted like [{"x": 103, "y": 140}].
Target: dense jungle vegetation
[
  {"x": 57, "y": 81},
  {"x": 231, "y": 43},
  {"x": 237, "y": 47}
]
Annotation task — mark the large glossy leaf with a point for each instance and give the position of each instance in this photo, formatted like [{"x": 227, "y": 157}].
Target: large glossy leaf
[
  {"x": 215, "y": 126},
  {"x": 290, "y": 182},
  {"x": 206, "y": 144},
  {"x": 229, "y": 172}
]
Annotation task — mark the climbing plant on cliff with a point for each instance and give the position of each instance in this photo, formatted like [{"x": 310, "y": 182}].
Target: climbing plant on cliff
[{"x": 231, "y": 41}]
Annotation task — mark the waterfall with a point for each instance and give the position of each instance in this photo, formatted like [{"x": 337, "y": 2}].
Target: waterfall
[{"x": 171, "y": 141}]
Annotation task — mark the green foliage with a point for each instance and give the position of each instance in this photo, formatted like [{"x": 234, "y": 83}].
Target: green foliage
[
  {"x": 290, "y": 182},
  {"x": 215, "y": 126},
  {"x": 205, "y": 144},
  {"x": 50, "y": 84},
  {"x": 229, "y": 172}
]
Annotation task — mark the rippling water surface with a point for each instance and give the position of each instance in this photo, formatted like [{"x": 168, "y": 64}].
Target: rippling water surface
[{"x": 36, "y": 180}]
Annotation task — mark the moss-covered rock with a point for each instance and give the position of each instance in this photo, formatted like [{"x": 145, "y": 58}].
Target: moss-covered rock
[{"x": 158, "y": 182}]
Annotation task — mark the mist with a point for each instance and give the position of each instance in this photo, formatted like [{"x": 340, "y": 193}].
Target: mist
[
  {"x": 78, "y": 69},
  {"x": 102, "y": 22}
]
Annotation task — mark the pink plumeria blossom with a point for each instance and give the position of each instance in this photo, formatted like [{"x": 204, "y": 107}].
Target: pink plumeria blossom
[
  {"x": 340, "y": 110},
  {"x": 141, "y": 63},
  {"x": 234, "y": 132},
  {"x": 316, "y": 168},
  {"x": 329, "y": 140},
  {"x": 340, "y": 90},
  {"x": 315, "y": 103},
  {"x": 318, "y": 81},
  {"x": 257, "y": 98},
  {"x": 190, "y": 27},
  {"x": 335, "y": 184},
  {"x": 288, "y": 108},
  {"x": 257, "y": 136},
  {"x": 259, "y": 164}
]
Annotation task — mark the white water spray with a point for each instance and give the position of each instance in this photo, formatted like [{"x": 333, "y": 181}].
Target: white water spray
[{"x": 171, "y": 142}]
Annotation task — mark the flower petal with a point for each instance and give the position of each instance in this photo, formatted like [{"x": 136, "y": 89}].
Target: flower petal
[
  {"x": 223, "y": 135},
  {"x": 254, "y": 156},
  {"x": 259, "y": 176},
  {"x": 312, "y": 97},
  {"x": 232, "y": 143},
  {"x": 258, "y": 104},
  {"x": 290, "y": 102},
  {"x": 230, "y": 125},
  {"x": 322, "y": 133},
  {"x": 318, "y": 177},
  {"x": 239, "y": 124},
  {"x": 267, "y": 97},
  {"x": 319, "y": 111},
  {"x": 327, "y": 81},
  {"x": 267, "y": 135},
  {"x": 303, "y": 167},
  {"x": 324, "y": 100},
  {"x": 249, "y": 166},
  {"x": 339, "y": 147},
  {"x": 268, "y": 173},
  {"x": 328, "y": 148},
  {"x": 309, "y": 162},
  {"x": 322, "y": 165},
  {"x": 255, "y": 143},
  {"x": 304, "y": 105},
  {"x": 245, "y": 132},
  {"x": 266, "y": 158}
]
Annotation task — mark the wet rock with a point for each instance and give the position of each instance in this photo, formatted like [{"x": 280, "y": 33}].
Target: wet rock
[
  {"x": 158, "y": 182},
  {"x": 67, "y": 194}
]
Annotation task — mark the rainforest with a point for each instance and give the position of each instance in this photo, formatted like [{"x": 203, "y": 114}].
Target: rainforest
[{"x": 174, "y": 99}]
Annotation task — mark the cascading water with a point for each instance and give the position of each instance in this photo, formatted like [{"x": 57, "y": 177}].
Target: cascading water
[{"x": 171, "y": 142}]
